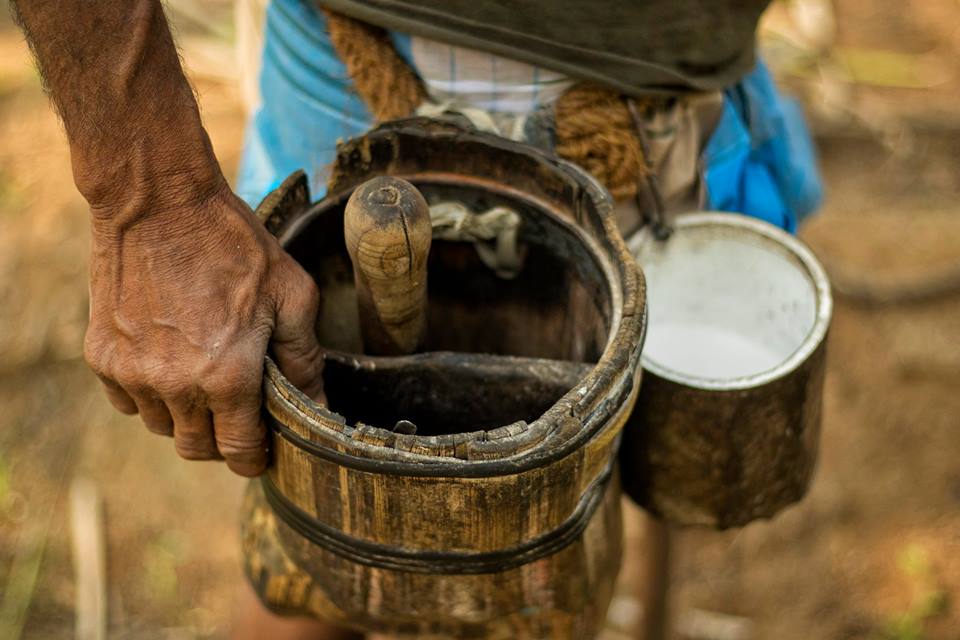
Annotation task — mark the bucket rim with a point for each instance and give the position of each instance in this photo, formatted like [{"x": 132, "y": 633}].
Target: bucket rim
[
  {"x": 803, "y": 256},
  {"x": 602, "y": 399}
]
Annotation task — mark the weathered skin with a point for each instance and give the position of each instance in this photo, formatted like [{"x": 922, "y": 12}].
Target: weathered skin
[{"x": 187, "y": 289}]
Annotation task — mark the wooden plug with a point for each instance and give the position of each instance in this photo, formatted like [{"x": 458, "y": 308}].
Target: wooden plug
[{"x": 387, "y": 230}]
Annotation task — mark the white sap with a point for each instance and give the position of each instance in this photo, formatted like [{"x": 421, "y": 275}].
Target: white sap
[
  {"x": 724, "y": 302},
  {"x": 708, "y": 351}
]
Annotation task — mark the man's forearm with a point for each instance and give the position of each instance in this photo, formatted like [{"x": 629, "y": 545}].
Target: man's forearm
[
  {"x": 188, "y": 290},
  {"x": 112, "y": 70}
]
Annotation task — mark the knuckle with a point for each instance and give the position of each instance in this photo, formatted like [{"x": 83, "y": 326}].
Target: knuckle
[
  {"x": 172, "y": 385},
  {"x": 309, "y": 289},
  {"x": 94, "y": 352},
  {"x": 237, "y": 380},
  {"x": 259, "y": 260},
  {"x": 298, "y": 293},
  {"x": 161, "y": 376},
  {"x": 128, "y": 379},
  {"x": 307, "y": 295},
  {"x": 190, "y": 448},
  {"x": 134, "y": 381},
  {"x": 241, "y": 449}
]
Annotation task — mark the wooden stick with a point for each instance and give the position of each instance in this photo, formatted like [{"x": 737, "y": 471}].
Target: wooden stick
[
  {"x": 89, "y": 560},
  {"x": 387, "y": 231}
]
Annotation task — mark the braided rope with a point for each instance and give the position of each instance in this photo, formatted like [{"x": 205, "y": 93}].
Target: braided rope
[
  {"x": 595, "y": 130},
  {"x": 382, "y": 78}
]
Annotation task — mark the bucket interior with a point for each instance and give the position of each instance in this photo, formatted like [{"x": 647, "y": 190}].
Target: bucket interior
[
  {"x": 558, "y": 310},
  {"x": 725, "y": 301},
  {"x": 444, "y": 393}
]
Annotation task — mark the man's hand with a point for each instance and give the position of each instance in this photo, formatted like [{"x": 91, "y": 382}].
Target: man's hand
[
  {"x": 186, "y": 286},
  {"x": 183, "y": 306}
]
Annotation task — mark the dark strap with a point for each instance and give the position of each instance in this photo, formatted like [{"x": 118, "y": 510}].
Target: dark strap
[
  {"x": 645, "y": 48},
  {"x": 438, "y": 562}
]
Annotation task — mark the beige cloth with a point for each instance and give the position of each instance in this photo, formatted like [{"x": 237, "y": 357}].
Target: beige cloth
[
  {"x": 676, "y": 135},
  {"x": 249, "y": 17}
]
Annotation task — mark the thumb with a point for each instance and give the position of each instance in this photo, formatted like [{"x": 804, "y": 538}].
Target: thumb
[{"x": 294, "y": 342}]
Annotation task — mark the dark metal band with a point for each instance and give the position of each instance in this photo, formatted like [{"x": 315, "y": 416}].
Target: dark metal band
[{"x": 438, "y": 562}]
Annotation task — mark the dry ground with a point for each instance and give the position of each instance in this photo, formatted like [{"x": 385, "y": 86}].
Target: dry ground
[{"x": 873, "y": 552}]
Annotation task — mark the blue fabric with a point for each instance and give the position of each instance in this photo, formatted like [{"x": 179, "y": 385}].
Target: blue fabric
[
  {"x": 307, "y": 104},
  {"x": 760, "y": 159}
]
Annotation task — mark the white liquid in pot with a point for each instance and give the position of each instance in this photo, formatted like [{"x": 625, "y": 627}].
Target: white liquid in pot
[
  {"x": 724, "y": 303},
  {"x": 709, "y": 351}
]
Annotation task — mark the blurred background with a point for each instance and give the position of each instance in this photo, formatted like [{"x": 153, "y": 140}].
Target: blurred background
[{"x": 872, "y": 553}]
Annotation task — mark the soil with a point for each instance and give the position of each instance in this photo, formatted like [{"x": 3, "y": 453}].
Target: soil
[{"x": 872, "y": 552}]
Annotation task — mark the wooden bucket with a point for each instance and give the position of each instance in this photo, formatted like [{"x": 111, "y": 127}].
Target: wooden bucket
[
  {"x": 500, "y": 518},
  {"x": 727, "y": 424}
]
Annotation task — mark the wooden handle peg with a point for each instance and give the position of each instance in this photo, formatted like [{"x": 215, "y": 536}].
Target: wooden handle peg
[{"x": 387, "y": 230}]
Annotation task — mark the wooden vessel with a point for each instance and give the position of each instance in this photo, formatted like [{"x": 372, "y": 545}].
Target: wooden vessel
[{"x": 500, "y": 516}]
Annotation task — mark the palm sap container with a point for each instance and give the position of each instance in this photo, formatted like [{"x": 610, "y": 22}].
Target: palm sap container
[
  {"x": 500, "y": 516},
  {"x": 727, "y": 424}
]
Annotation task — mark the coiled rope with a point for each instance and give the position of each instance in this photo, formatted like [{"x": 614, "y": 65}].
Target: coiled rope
[{"x": 387, "y": 85}]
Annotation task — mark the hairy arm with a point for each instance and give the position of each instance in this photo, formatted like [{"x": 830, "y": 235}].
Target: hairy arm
[
  {"x": 187, "y": 290},
  {"x": 113, "y": 73}
]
